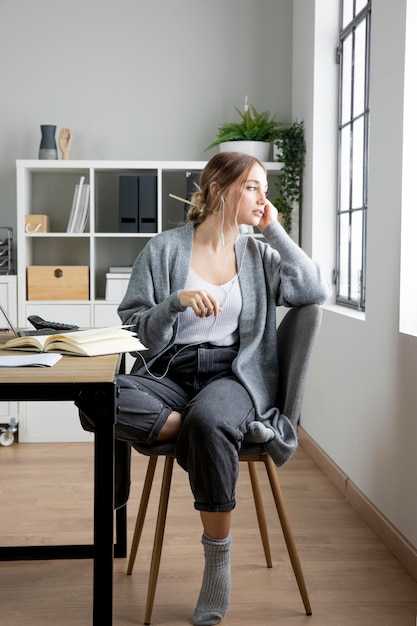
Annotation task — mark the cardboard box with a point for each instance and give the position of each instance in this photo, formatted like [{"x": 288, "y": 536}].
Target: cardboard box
[
  {"x": 116, "y": 285},
  {"x": 36, "y": 223},
  {"x": 65, "y": 282}
]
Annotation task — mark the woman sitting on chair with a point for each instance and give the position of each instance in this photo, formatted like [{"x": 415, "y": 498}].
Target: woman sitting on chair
[{"x": 202, "y": 298}]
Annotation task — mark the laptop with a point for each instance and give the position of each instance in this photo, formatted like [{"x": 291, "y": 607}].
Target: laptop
[{"x": 26, "y": 333}]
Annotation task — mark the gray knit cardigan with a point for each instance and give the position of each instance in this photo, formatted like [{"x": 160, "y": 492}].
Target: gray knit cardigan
[{"x": 270, "y": 274}]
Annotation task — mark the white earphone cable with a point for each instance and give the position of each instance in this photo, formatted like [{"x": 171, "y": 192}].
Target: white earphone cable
[{"x": 161, "y": 376}]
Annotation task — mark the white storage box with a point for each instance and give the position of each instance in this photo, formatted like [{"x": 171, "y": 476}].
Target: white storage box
[{"x": 116, "y": 285}]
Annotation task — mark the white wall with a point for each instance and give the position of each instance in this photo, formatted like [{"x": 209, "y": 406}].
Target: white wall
[
  {"x": 408, "y": 305},
  {"x": 135, "y": 79},
  {"x": 361, "y": 399}
]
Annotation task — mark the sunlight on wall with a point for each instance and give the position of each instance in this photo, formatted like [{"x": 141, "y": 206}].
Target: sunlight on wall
[{"x": 408, "y": 283}]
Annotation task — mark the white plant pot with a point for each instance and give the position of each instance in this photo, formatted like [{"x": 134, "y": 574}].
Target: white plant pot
[{"x": 259, "y": 149}]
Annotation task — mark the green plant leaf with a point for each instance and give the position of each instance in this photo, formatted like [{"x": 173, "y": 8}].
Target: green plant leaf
[
  {"x": 291, "y": 147},
  {"x": 254, "y": 126}
]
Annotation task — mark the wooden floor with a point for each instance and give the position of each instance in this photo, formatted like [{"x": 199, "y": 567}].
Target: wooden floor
[{"x": 46, "y": 494}]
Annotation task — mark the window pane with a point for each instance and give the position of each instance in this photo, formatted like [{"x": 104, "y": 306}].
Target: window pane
[
  {"x": 347, "y": 13},
  {"x": 345, "y": 169},
  {"x": 358, "y": 157},
  {"x": 344, "y": 230},
  {"x": 359, "y": 62},
  {"x": 346, "y": 79},
  {"x": 356, "y": 254},
  {"x": 360, "y": 4}
]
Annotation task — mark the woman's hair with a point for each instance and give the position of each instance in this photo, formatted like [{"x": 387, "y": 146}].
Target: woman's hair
[{"x": 225, "y": 169}]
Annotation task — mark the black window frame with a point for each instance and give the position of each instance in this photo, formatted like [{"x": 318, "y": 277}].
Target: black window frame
[{"x": 351, "y": 289}]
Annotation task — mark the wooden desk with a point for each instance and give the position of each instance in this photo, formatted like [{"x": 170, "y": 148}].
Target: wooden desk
[{"x": 90, "y": 383}]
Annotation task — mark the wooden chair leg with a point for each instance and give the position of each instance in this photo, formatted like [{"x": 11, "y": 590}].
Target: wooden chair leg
[
  {"x": 260, "y": 511},
  {"x": 287, "y": 531},
  {"x": 143, "y": 506},
  {"x": 159, "y": 536}
]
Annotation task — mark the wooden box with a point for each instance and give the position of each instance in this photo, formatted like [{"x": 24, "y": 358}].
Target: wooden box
[
  {"x": 37, "y": 223},
  {"x": 66, "y": 282}
]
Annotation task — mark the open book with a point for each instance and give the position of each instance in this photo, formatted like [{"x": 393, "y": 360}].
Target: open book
[{"x": 92, "y": 342}]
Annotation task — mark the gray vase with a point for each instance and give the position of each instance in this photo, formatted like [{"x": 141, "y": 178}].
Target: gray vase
[{"x": 48, "y": 149}]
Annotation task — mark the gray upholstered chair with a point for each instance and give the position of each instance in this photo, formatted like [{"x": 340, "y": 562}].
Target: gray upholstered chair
[{"x": 295, "y": 340}]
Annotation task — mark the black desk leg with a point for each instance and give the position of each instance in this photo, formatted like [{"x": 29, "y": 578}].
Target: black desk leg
[
  {"x": 100, "y": 404},
  {"x": 120, "y": 547}
]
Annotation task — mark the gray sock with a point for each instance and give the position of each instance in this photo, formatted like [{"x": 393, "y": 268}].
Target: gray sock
[
  {"x": 215, "y": 590},
  {"x": 258, "y": 433}
]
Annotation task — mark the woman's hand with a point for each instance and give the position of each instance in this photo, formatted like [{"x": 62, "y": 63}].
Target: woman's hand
[
  {"x": 202, "y": 303},
  {"x": 270, "y": 215}
]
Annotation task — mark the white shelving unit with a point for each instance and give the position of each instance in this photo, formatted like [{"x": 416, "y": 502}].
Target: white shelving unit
[{"x": 47, "y": 188}]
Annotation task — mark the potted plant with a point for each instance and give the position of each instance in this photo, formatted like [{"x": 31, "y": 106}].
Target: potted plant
[
  {"x": 290, "y": 150},
  {"x": 253, "y": 134}
]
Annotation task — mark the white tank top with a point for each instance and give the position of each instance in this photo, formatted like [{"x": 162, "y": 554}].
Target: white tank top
[{"x": 221, "y": 330}]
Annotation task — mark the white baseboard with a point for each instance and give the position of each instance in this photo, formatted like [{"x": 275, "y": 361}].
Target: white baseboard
[{"x": 398, "y": 545}]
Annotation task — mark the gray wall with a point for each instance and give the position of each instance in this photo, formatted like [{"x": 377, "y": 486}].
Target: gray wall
[{"x": 135, "y": 79}]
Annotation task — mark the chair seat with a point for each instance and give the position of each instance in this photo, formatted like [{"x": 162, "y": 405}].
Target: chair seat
[
  {"x": 158, "y": 449},
  {"x": 168, "y": 449}
]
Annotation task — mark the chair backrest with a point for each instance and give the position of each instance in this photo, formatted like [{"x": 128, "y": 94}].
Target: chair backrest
[{"x": 296, "y": 335}]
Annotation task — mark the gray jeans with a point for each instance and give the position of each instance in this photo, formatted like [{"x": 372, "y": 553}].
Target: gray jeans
[{"x": 216, "y": 410}]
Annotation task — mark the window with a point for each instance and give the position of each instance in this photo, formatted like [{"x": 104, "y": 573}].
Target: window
[{"x": 353, "y": 133}]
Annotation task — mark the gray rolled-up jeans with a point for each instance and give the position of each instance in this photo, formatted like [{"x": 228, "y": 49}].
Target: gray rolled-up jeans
[{"x": 198, "y": 382}]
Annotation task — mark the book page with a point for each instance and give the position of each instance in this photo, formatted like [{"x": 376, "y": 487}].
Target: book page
[
  {"x": 42, "y": 359},
  {"x": 26, "y": 343},
  {"x": 80, "y": 337},
  {"x": 97, "y": 347}
]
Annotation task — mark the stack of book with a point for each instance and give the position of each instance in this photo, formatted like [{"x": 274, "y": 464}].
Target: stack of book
[{"x": 79, "y": 209}]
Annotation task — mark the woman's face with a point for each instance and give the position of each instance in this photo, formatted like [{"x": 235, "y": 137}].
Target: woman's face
[{"x": 253, "y": 199}]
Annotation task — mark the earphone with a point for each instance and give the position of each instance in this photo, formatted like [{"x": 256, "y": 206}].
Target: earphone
[
  {"x": 222, "y": 223},
  {"x": 161, "y": 376},
  {"x": 204, "y": 340}
]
